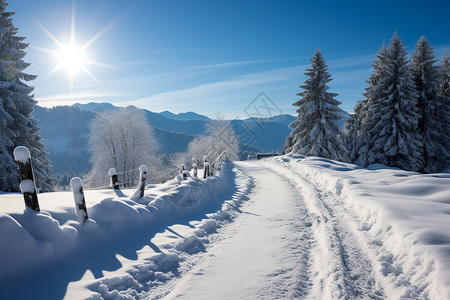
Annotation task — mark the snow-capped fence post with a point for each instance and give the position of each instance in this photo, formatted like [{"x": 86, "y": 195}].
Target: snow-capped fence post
[
  {"x": 114, "y": 181},
  {"x": 23, "y": 158},
  {"x": 194, "y": 167},
  {"x": 183, "y": 172},
  {"x": 143, "y": 177},
  {"x": 212, "y": 169},
  {"x": 205, "y": 166},
  {"x": 78, "y": 197}
]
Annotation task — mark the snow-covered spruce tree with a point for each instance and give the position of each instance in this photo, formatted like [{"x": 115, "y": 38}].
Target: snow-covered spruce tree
[
  {"x": 432, "y": 122},
  {"x": 18, "y": 102},
  {"x": 287, "y": 144},
  {"x": 122, "y": 140},
  {"x": 349, "y": 136},
  {"x": 352, "y": 131},
  {"x": 444, "y": 76},
  {"x": 444, "y": 95},
  {"x": 315, "y": 132},
  {"x": 394, "y": 140},
  {"x": 7, "y": 165},
  {"x": 365, "y": 116}
]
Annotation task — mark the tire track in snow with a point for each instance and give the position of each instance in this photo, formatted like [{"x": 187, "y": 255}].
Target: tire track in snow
[
  {"x": 263, "y": 254},
  {"x": 387, "y": 268},
  {"x": 343, "y": 270}
]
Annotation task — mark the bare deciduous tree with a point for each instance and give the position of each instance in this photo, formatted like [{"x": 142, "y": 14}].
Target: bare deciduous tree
[
  {"x": 220, "y": 136},
  {"x": 122, "y": 140}
]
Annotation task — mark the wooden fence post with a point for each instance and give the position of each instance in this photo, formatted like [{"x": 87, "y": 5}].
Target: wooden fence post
[
  {"x": 194, "y": 167},
  {"x": 114, "y": 181},
  {"x": 143, "y": 177},
  {"x": 205, "y": 167},
  {"x": 183, "y": 172},
  {"x": 78, "y": 197},
  {"x": 23, "y": 158},
  {"x": 212, "y": 169}
]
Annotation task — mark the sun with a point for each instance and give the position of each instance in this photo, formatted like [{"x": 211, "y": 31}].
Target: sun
[{"x": 71, "y": 58}]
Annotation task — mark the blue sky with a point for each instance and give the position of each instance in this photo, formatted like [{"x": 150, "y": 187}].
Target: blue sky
[{"x": 216, "y": 56}]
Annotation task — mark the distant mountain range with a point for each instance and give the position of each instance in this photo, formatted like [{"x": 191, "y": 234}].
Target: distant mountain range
[
  {"x": 65, "y": 131},
  {"x": 184, "y": 116},
  {"x": 105, "y": 106}
]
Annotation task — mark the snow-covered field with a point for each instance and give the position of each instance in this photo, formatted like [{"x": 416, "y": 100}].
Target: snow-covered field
[{"x": 284, "y": 227}]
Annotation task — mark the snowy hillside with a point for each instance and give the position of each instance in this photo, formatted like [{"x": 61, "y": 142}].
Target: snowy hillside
[{"x": 284, "y": 227}]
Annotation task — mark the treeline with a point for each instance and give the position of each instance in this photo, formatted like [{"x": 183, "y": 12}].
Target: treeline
[
  {"x": 17, "y": 126},
  {"x": 402, "y": 122}
]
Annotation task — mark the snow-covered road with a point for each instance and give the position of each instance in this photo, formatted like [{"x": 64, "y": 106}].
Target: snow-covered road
[
  {"x": 299, "y": 236},
  {"x": 262, "y": 254},
  {"x": 292, "y": 240},
  {"x": 340, "y": 267}
]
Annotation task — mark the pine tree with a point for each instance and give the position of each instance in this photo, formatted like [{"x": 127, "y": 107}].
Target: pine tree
[
  {"x": 287, "y": 144},
  {"x": 353, "y": 131},
  {"x": 7, "y": 165},
  {"x": 444, "y": 97},
  {"x": 349, "y": 136},
  {"x": 444, "y": 76},
  {"x": 363, "y": 111},
  {"x": 17, "y": 100},
  {"x": 432, "y": 126},
  {"x": 315, "y": 132},
  {"x": 394, "y": 114}
]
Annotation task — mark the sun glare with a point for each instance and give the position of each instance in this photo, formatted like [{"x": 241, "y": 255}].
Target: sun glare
[{"x": 71, "y": 58}]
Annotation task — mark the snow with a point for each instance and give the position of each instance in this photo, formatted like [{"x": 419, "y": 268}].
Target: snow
[
  {"x": 400, "y": 220},
  {"x": 52, "y": 252},
  {"x": 280, "y": 228},
  {"x": 112, "y": 172},
  {"x": 75, "y": 183},
  {"x": 251, "y": 262},
  {"x": 22, "y": 154},
  {"x": 143, "y": 168},
  {"x": 27, "y": 186}
]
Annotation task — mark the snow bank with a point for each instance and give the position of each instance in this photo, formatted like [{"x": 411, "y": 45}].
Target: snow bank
[
  {"x": 403, "y": 216},
  {"x": 31, "y": 241}
]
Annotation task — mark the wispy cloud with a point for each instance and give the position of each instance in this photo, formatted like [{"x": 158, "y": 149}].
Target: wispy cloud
[
  {"x": 349, "y": 62},
  {"x": 232, "y": 86},
  {"x": 69, "y": 98},
  {"x": 230, "y": 64},
  {"x": 241, "y": 89}
]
